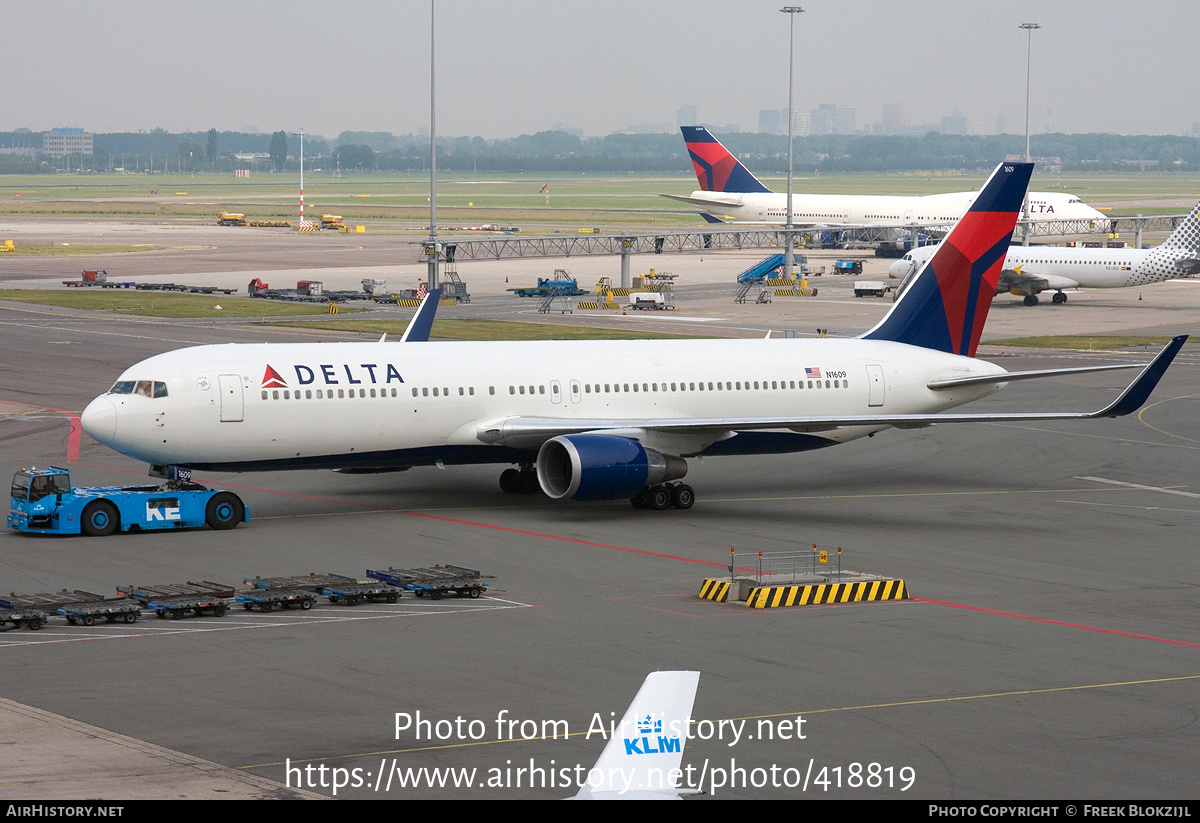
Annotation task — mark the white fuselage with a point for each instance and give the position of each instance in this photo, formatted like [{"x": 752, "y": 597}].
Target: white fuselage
[
  {"x": 878, "y": 210},
  {"x": 250, "y": 407},
  {"x": 1032, "y": 269}
]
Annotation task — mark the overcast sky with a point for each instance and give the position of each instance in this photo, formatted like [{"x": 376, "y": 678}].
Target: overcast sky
[{"x": 508, "y": 67}]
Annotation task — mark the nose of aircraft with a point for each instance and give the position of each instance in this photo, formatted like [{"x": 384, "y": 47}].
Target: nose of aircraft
[
  {"x": 900, "y": 268},
  {"x": 99, "y": 420}
]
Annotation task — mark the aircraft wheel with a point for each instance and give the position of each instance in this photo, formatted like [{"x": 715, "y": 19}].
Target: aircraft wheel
[
  {"x": 658, "y": 498},
  {"x": 224, "y": 511},
  {"x": 529, "y": 482},
  {"x": 1031, "y": 300},
  {"x": 683, "y": 496},
  {"x": 1058, "y": 297},
  {"x": 100, "y": 519},
  {"x": 639, "y": 500},
  {"x": 510, "y": 481}
]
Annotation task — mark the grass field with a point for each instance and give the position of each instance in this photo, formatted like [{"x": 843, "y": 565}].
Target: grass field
[
  {"x": 1082, "y": 342},
  {"x": 163, "y": 304},
  {"x": 67, "y": 249},
  {"x": 609, "y": 202}
]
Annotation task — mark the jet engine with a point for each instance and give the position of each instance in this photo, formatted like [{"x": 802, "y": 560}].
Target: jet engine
[{"x": 602, "y": 467}]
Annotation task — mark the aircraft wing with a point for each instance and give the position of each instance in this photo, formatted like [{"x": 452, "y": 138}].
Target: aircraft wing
[
  {"x": 1015, "y": 278},
  {"x": 531, "y": 432},
  {"x": 706, "y": 202}
]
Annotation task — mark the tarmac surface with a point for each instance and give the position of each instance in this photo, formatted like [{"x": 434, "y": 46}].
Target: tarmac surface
[{"x": 1050, "y": 650}]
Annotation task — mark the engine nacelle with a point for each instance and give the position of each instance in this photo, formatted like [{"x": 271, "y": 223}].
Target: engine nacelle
[{"x": 602, "y": 467}]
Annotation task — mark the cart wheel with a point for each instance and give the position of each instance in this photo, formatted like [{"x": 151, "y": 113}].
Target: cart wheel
[
  {"x": 266, "y": 607},
  {"x": 474, "y": 593},
  {"x": 131, "y": 617},
  {"x": 333, "y": 598},
  {"x": 71, "y": 619},
  {"x": 420, "y": 593},
  {"x": 161, "y": 612},
  {"x": 247, "y": 606},
  {"x": 392, "y": 597},
  {"x": 177, "y": 614},
  {"x": 224, "y": 511},
  {"x": 218, "y": 611},
  {"x": 87, "y": 620},
  {"x": 351, "y": 601},
  {"x": 100, "y": 519},
  {"x": 34, "y": 623},
  {"x": 436, "y": 594},
  {"x": 306, "y": 604}
]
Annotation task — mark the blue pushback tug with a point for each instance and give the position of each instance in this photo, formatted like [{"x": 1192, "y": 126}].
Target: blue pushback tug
[{"x": 44, "y": 502}]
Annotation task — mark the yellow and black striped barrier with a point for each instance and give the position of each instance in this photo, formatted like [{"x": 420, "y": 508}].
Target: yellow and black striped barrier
[
  {"x": 715, "y": 590},
  {"x": 594, "y": 305},
  {"x": 443, "y": 303},
  {"x": 766, "y": 597},
  {"x": 333, "y": 308}
]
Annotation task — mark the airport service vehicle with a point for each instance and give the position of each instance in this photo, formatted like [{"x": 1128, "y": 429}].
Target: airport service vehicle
[
  {"x": 870, "y": 288},
  {"x": 560, "y": 284},
  {"x": 226, "y": 218},
  {"x": 651, "y": 300},
  {"x": 44, "y": 502},
  {"x": 331, "y": 221},
  {"x": 591, "y": 420},
  {"x": 1031, "y": 270},
  {"x": 847, "y": 267},
  {"x": 728, "y": 188}
]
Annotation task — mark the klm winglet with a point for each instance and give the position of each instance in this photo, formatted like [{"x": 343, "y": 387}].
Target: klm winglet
[{"x": 422, "y": 323}]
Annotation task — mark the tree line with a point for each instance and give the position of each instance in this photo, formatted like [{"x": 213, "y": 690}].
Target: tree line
[{"x": 557, "y": 151}]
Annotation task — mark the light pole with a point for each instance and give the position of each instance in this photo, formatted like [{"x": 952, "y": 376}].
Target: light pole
[
  {"x": 789, "y": 238},
  {"x": 1029, "y": 27},
  {"x": 431, "y": 247},
  {"x": 301, "y": 135}
]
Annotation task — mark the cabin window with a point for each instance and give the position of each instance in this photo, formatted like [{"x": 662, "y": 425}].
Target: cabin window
[
  {"x": 512, "y": 390},
  {"x": 541, "y": 389},
  {"x": 471, "y": 391},
  {"x": 522, "y": 390},
  {"x": 372, "y": 392},
  {"x": 415, "y": 391},
  {"x": 264, "y": 394},
  {"x": 275, "y": 394},
  {"x": 308, "y": 394},
  {"x": 491, "y": 389}
]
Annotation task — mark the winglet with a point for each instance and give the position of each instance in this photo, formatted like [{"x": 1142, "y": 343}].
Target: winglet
[
  {"x": 422, "y": 322},
  {"x": 1139, "y": 390},
  {"x": 642, "y": 759}
]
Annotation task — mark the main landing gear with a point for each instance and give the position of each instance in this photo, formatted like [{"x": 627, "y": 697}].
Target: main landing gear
[
  {"x": 664, "y": 496},
  {"x": 520, "y": 481},
  {"x": 1032, "y": 299}
]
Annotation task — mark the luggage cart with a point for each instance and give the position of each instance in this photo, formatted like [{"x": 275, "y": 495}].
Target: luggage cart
[
  {"x": 436, "y": 581},
  {"x": 175, "y": 600}
]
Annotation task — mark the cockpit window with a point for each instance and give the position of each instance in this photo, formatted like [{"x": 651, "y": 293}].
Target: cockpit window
[{"x": 145, "y": 388}]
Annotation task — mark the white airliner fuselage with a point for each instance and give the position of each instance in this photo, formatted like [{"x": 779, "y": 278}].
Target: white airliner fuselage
[
  {"x": 391, "y": 405},
  {"x": 835, "y": 210}
]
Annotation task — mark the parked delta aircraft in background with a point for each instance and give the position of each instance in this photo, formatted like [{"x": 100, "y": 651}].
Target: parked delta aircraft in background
[
  {"x": 642, "y": 758},
  {"x": 588, "y": 420},
  {"x": 1030, "y": 270},
  {"x": 728, "y": 188}
]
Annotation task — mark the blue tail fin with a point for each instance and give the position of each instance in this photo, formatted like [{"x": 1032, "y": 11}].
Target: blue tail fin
[
  {"x": 716, "y": 168},
  {"x": 422, "y": 322},
  {"x": 948, "y": 301}
]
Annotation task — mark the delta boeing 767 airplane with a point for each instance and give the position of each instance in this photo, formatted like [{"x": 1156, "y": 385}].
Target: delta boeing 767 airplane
[{"x": 588, "y": 420}]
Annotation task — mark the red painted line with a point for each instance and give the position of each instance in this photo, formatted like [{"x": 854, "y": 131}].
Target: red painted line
[
  {"x": 1058, "y": 622},
  {"x": 568, "y": 540},
  {"x": 72, "y": 418}
]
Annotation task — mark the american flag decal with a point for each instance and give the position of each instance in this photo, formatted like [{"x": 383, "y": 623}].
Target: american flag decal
[{"x": 813, "y": 373}]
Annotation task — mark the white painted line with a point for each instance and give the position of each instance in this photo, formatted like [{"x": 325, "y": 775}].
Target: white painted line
[{"x": 1139, "y": 486}]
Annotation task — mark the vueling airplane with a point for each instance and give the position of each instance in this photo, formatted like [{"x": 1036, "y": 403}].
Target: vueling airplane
[
  {"x": 1031, "y": 270},
  {"x": 728, "y": 188},
  {"x": 588, "y": 420}
]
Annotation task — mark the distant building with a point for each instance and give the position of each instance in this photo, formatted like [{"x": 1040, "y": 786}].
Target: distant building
[
  {"x": 769, "y": 121},
  {"x": 61, "y": 142},
  {"x": 686, "y": 116},
  {"x": 954, "y": 124},
  {"x": 895, "y": 118},
  {"x": 1001, "y": 123}
]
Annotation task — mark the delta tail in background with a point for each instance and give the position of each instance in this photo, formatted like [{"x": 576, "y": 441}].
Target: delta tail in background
[
  {"x": 642, "y": 758},
  {"x": 1031, "y": 270},
  {"x": 589, "y": 420},
  {"x": 728, "y": 188}
]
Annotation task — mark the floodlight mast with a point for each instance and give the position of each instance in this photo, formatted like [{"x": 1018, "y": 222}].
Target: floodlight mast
[{"x": 789, "y": 237}]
